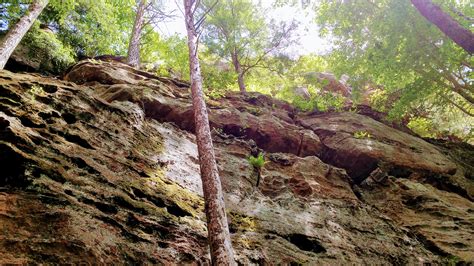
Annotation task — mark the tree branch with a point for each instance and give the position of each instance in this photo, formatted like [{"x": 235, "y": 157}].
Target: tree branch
[{"x": 199, "y": 22}]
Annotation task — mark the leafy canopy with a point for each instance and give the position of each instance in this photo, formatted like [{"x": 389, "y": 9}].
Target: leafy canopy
[{"x": 387, "y": 47}]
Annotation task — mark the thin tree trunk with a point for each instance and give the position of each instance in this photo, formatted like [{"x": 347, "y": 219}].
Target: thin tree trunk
[
  {"x": 133, "y": 57},
  {"x": 464, "y": 110},
  {"x": 18, "y": 31},
  {"x": 240, "y": 73},
  {"x": 218, "y": 229},
  {"x": 449, "y": 26},
  {"x": 259, "y": 175},
  {"x": 453, "y": 87}
]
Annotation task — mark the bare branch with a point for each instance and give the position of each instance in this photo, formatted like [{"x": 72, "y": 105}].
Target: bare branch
[
  {"x": 199, "y": 22},
  {"x": 464, "y": 110}
]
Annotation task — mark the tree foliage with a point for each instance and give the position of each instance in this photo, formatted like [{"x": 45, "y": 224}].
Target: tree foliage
[
  {"x": 388, "y": 43},
  {"x": 44, "y": 44},
  {"x": 90, "y": 27},
  {"x": 237, "y": 31},
  {"x": 398, "y": 62}
]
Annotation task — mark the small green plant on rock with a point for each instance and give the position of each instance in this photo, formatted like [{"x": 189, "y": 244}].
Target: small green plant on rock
[
  {"x": 257, "y": 163},
  {"x": 254, "y": 110},
  {"x": 362, "y": 135},
  {"x": 36, "y": 90},
  {"x": 95, "y": 61},
  {"x": 452, "y": 260}
]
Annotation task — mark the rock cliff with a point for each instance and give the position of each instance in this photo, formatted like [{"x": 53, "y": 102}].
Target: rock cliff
[{"x": 102, "y": 167}]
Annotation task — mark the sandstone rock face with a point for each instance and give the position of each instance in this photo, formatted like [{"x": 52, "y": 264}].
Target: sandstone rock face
[
  {"x": 103, "y": 168},
  {"x": 359, "y": 143}
]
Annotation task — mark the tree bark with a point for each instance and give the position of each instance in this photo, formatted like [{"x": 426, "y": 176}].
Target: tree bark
[
  {"x": 133, "y": 57},
  {"x": 259, "y": 175},
  {"x": 239, "y": 71},
  {"x": 449, "y": 26},
  {"x": 18, "y": 31},
  {"x": 218, "y": 229}
]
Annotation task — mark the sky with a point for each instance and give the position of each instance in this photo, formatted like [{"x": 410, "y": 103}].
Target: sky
[{"x": 309, "y": 40}]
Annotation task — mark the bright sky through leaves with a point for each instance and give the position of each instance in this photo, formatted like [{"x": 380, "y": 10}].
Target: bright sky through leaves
[{"x": 309, "y": 40}]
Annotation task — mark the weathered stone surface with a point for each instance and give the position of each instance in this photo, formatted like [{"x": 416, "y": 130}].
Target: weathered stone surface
[
  {"x": 260, "y": 118},
  {"x": 442, "y": 220},
  {"x": 86, "y": 181},
  {"x": 360, "y": 144},
  {"x": 107, "y": 172}
]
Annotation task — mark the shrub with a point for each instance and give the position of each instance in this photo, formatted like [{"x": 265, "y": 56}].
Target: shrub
[
  {"x": 257, "y": 162},
  {"x": 43, "y": 46}
]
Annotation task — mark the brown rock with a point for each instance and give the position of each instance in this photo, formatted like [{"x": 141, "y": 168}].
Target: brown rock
[
  {"x": 258, "y": 117},
  {"x": 442, "y": 220},
  {"x": 108, "y": 173},
  {"x": 359, "y": 144}
]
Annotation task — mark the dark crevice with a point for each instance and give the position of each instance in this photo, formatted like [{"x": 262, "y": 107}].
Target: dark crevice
[
  {"x": 6, "y": 109},
  {"x": 49, "y": 88},
  {"x": 48, "y": 116},
  {"x": 443, "y": 182},
  {"x": 103, "y": 207},
  {"x": 416, "y": 202},
  {"x": 163, "y": 231},
  {"x": 4, "y": 124},
  {"x": 48, "y": 100},
  {"x": 125, "y": 233},
  {"x": 27, "y": 122},
  {"x": 142, "y": 173},
  {"x": 52, "y": 199},
  {"x": 157, "y": 201},
  {"x": 233, "y": 130},
  {"x": 85, "y": 116},
  {"x": 18, "y": 66},
  {"x": 430, "y": 245},
  {"x": 69, "y": 118},
  {"x": 303, "y": 242},
  {"x": 358, "y": 167},
  {"x": 7, "y": 93},
  {"x": 72, "y": 138},
  {"x": 8, "y": 101},
  {"x": 78, "y": 140},
  {"x": 125, "y": 204},
  {"x": 13, "y": 170},
  {"x": 52, "y": 174},
  {"x": 156, "y": 110},
  {"x": 460, "y": 152},
  {"x": 79, "y": 162},
  {"x": 306, "y": 243},
  {"x": 401, "y": 172},
  {"x": 357, "y": 192},
  {"x": 300, "y": 144},
  {"x": 171, "y": 207},
  {"x": 177, "y": 211}
]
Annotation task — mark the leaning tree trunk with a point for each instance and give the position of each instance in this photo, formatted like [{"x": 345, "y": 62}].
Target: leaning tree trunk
[
  {"x": 449, "y": 26},
  {"x": 16, "y": 33},
  {"x": 133, "y": 57},
  {"x": 240, "y": 72},
  {"x": 218, "y": 229}
]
